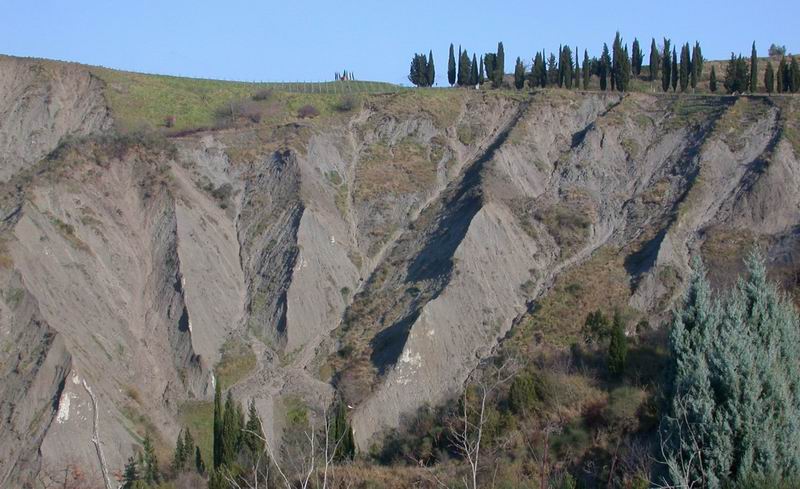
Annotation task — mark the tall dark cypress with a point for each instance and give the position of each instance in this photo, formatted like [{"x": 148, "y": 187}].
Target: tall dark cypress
[
  {"x": 781, "y": 75},
  {"x": 576, "y": 73},
  {"x": 655, "y": 60},
  {"x": 666, "y": 66},
  {"x": 473, "y": 72},
  {"x": 463, "y": 69},
  {"x": 616, "y": 50},
  {"x": 565, "y": 68},
  {"x": 218, "y": 435},
  {"x": 481, "y": 77},
  {"x": 489, "y": 61},
  {"x": 794, "y": 76},
  {"x": 636, "y": 57},
  {"x": 674, "y": 69},
  {"x": 769, "y": 78},
  {"x": 519, "y": 74},
  {"x": 587, "y": 72},
  {"x": 697, "y": 60},
  {"x": 552, "y": 70},
  {"x": 500, "y": 66},
  {"x": 684, "y": 67},
  {"x": 229, "y": 432},
  {"x": 605, "y": 66},
  {"x": 451, "y": 67},
  {"x": 753, "y": 69},
  {"x": 431, "y": 70},
  {"x": 536, "y": 71},
  {"x": 712, "y": 80}
]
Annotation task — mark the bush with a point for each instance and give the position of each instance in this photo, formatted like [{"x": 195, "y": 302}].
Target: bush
[
  {"x": 307, "y": 112},
  {"x": 228, "y": 114},
  {"x": 523, "y": 395},
  {"x": 263, "y": 94},
  {"x": 347, "y": 103},
  {"x": 169, "y": 121}
]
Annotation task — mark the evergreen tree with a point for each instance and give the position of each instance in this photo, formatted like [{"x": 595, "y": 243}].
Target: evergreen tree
[
  {"x": 712, "y": 80},
  {"x": 252, "y": 434},
  {"x": 769, "y": 79},
  {"x": 576, "y": 73},
  {"x": 179, "y": 457},
  {"x": 794, "y": 76},
  {"x": 735, "y": 384},
  {"x": 342, "y": 434},
  {"x": 431, "y": 79},
  {"x": 151, "y": 474},
  {"x": 463, "y": 69},
  {"x": 500, "y": 65},
  {"x": 552, "y": 70},
  {"x": 753, "y": 84},
  {"x": 489, "y": 62},
  {"x": 418, "y": 74},
  {"x": 674, "y": 70},
  {"x": 481, "y": 78},
  {"x": 637, "y": 57},
  {"x": 565, "y": 68},
  {"x": 616, "y": 50},
  {"x": 130, "y": 475},
  {"x": 737, "y": 76},
  {"x": 451, "y": 67},
  {"x": 473, "y": 73},
  {"x": 605, "y": 66},
  {"x": 537, "y": 71},
  {"x": 684, "y": 67},
  {"x": 666, "y": 66},
  {"x": 617, "y": 347},
  {"x": 655, "y": 60},
  {"x": 230, "y": 432},
  {"x": 587, "y": 72},
  {"x": 625, "y": 71},
  {"x": 697, "y": 60},
  {"x": 694, "y": 76},
  {"x": 188, "y": 444},
  {"x": 781, "y": 76},
  {"x": 519, "y": 74},
  {"x": 218, "y": 434},
  {"x": 199, "y": 464}
]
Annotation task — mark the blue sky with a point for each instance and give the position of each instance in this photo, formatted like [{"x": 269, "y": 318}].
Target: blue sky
[{"x": 309, "y": 40}]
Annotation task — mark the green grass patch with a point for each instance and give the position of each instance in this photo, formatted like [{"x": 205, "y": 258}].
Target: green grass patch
[
  {"x": 198, "y": 417},
  {"x": 236, "y": 362}
]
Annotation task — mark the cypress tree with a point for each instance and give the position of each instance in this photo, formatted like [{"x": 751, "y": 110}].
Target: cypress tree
[
  {"x": 794, "y": 76},
  {"x": 218, "y": 434},
  {"x": 431, "y": 70},
  {"x": 617, "y": 347},
  {"x": 769, "y": 78},
  {"x": 519, "y": 74},
  {"x": 576, "y": 73},
  {"x": 674, "y": 70},
  {"x": 489, "y": 62},
  {"x": 552, "y": 70},
  {"x": 655, "y": 60},
  {"x": 697, "y": 61},
  {"x": 736, "y": 75},
  {"x": 753, "y": 69},
  {"x": 418, "y": 73},
  {"x": 625, "y": 70},
  {"x": 188, "y": 445},
  {"x": 252, "y": 438},
  {"x": 473, "y": 74},
  {"x": 666, "y": 66},
  {"x": 342, "y": 434},
  {"x": 463, "y": 69},
  {"x": 151, "y": 473},
  {"x": 605, "y": 66},
  {"x": 693, "y": 76},
  {"x": 536, "y": 71},
  {"x": 199, "y": 465},
  {"x": 451, "y": 67},
  {"x": 229, "y": 432},
  {"x": 587, "y": 73},
  {"x": 500, "y": 65},
  {"x": 481, "y": 77},
  {"x": 684, "y": 67},
  {"x": 712, "y": 80},
  {"x": 635, "y": 59},
  {"x": 565, "y": 68},
  {"x": 616, "y": 51},
  {"x": 781, "y": 75},
  {"x": 179, "y": 457},
  {"x": 130, "y": 475}
]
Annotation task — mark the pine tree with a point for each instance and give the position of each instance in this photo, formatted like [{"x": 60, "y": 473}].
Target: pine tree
[
  {"x": 451, "y": 67},
  {"x": 655, "y": 60},
  {"x": 151, "y": 473},
  {"x": 500, "y": 65},
  {"x": 605, "y": 66},
  {"x": 130, "y": 475},
  {"x": 712, "y": 80},
  {"x": 463, "y": 69},
  {"x": 617, "y": 347},
  {"x": 666, "y": 67},
  {"x": 431, "y": 70},
  {"x": 769, "y": 78},
  {"x": 636, "y": 57},
  {"x": 252, "y": 433},
  {"x": 552, "y": 70},
  {"x": 587, "y": 72},
  {"x": 753, "y": 84},
  {"x": 519, "y": 74},
  {"x": 684, "y": 67},
  {"x": 674, "y": 70},
  {"x": 473, "y": 73},
  {"x": 218, "y": 433},
  {"x": 481, "y": 78}
]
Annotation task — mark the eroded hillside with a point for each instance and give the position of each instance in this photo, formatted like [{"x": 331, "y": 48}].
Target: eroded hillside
[{"x": 379, "y": 250}]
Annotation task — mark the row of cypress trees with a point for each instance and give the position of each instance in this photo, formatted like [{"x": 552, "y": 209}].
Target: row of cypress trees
[{"x": 741, "y": 77}]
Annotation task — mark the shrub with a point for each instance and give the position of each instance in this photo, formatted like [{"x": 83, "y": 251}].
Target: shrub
[
  {"x": 307, "y": 112},
  {"x": 169, "y": 121},
  {"x": 228, "y": 114},
  {"x": 617, "y": 348},
  {"x": 263, "y": 94},
  {"x": 347, "y": 103},
  {"x": 523, "y": 395}
]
